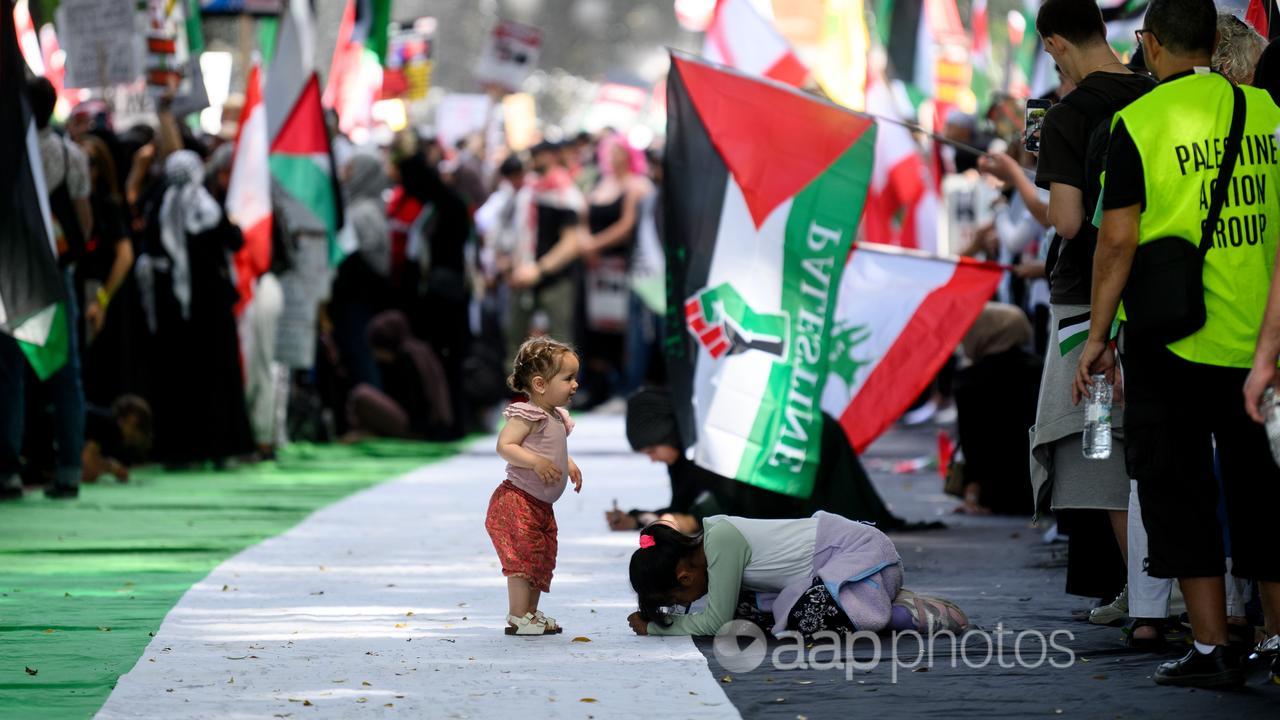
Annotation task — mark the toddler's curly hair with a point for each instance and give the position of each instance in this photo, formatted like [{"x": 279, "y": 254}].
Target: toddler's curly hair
[{"x": 539, "y": 356}]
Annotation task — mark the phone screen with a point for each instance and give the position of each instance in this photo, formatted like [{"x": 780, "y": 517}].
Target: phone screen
[{"x": 1034, "y": 118}]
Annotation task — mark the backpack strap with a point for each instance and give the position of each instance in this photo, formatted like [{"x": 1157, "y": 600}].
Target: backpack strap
[{"x": 1229, "y": 155}]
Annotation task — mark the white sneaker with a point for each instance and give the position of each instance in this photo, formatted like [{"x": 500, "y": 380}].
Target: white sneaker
[{"x": 1114, "y": 613}]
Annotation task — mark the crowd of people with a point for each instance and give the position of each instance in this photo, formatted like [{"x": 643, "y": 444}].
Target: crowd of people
[
  {"x": 460, "y": 254},
  {"x": 1122, "y": 190},
  {"x": 457, "y": 254}
]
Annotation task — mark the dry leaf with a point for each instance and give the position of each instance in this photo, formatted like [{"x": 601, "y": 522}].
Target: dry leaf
[
  {"x": 322, "y": 568},
  {"x": 588, "y": 700},
  {"x": 366, "y": 683},
  {"x": 30, "y": 671},
  {"x": 388, "y": 705},
  {"x": 306, "y": 703},
  {"x": 362, "y": 700},
  {"x": 232, "y": 681},
  {"x": 339, "y": 681},
  {"x": 400, "y": 625},
  {"x": 49, "y": 631},
  {"x": 226, "y": 588},
  {"x": 409, "y": 614},
  {"x": 582, "y": 638},
  {"x": 726, "y": 679},
  {"x": 921, "y": 669}
]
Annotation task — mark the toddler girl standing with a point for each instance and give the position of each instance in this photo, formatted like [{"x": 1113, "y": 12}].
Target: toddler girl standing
[{"x": 520, "y": 521}]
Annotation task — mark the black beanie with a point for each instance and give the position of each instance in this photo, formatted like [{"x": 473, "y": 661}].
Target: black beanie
[{"x": 651, "y": 420}]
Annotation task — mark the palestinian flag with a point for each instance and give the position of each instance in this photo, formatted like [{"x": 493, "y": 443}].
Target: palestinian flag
[
  {"x": 898, "y": 317},
  {"x": 301, "y": 158},
  {"x": 31, "y": 287},
  {"x": 764, "y": 195}
]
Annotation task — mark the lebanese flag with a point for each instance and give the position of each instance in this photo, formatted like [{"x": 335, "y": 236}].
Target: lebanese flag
[
  {"x": 249, "y": 192},
  {"x": 900, "y": 184},
  {"x": 763, "y": 198},
  {"x": 898, "y": 318},
  {"x": 1256, "y": 16},
  {"x": 740, "y": 37}
]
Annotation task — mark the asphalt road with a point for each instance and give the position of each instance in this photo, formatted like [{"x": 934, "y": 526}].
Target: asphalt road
[{"x": 1031, "y": 660}]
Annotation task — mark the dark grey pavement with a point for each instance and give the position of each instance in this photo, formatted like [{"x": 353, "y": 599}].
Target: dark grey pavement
[{"x": 1000, "y": 572}]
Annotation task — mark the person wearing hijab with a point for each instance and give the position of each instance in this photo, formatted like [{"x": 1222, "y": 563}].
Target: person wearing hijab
[
  {"x": 188, "y": 298},
  {"x": 996, "y": 404}
]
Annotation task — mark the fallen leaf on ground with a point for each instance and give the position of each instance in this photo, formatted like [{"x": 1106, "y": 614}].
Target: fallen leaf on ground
[
  {"x": 30, "y": 671},
  {"x": 409, "y": 614},
  {"x": 366, "y": 683},
  {"x": 339, "y": 681},
  {"x": 582, "y": 638},
  {"x": 388, "y": 705},
  {"x": 323, "y": 568},
  {"x": 921, "y": 669},
  {"x": 362, "y": 700},
  {"x": 1099, "y": 677},
  {"x": 306, "y": 703},
  {"x": 232, "y": 681},
  {"x": 588, "y": 700},
  {"x": 726, "y": 679},
  {"x": 49, "y": 631},
  {"x": 400, "y": 625}
]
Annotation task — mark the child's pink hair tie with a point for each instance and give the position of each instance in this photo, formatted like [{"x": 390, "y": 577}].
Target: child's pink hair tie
[{"x": 647, "y": 541}]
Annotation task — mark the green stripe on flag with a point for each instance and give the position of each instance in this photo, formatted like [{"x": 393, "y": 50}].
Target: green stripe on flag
[
  {"x": 1074, "y": 331},
  {"x": 785, "y": 442},
  {"x": 46, "y": 348},
  {"x": 311, "y": 185}
]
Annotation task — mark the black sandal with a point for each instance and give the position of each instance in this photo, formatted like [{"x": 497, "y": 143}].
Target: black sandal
[{"x": 1155, "y": 644}]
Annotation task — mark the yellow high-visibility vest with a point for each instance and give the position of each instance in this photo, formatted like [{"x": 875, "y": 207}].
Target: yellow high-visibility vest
[{"x": 1180, "y": 130}]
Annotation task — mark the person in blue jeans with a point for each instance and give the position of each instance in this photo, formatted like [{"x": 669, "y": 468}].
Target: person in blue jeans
[{"x": 67, "y": 396}]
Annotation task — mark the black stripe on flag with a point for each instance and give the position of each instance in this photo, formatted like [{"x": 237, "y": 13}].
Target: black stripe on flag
[
  {"x": 694, "y": 178},
  {"x": 29, "y": 280}
]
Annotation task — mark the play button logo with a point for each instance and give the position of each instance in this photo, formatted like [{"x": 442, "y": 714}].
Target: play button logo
[{"x": 740, "y": 646}]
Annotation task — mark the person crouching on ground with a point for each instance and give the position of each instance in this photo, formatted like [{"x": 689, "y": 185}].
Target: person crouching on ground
[
  {"x": 520, "y": 520},
  {"x": 820, "y": 573}
]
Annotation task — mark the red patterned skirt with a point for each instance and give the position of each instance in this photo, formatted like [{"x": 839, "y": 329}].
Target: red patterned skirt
[{"x": 523, "y": 530}]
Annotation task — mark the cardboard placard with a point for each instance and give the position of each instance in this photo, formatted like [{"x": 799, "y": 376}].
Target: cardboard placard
[
  {"x": 102, "y": 42},
  {"x": 510, "y": 55}
]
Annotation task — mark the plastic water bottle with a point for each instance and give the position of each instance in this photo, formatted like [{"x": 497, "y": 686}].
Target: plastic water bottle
[
  {"x": 1271, "y": 413},
  {"x": 1097, "y": 419}
]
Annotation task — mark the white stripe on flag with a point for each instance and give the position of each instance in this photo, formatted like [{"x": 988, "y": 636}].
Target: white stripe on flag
[
  {"x": 728, "y": 391},
  {"x": 880, "y": 292}
]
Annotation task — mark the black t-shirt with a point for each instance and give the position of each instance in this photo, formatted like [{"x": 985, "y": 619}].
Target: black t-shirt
[
  {"x": 1064, "y": 140},
  {"x": 108, "y": 229},
  {"x": 1126, "y": 184}
]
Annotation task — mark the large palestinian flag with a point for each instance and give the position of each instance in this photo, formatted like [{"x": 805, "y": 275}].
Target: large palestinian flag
[{"x": 763, "y": 196}]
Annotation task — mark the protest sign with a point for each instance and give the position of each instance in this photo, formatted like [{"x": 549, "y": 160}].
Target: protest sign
[
  {"x": 510, "y": 55},
  {"x": 102, "y": 42}
]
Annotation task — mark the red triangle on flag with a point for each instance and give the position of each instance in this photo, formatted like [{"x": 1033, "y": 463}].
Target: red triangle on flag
[
  {"x": 774, "y": 140},
  {"x": 304, "y": 133}
]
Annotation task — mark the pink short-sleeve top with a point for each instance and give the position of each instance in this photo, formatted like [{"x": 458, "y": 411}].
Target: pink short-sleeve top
[{"x": 549, "y": 439}]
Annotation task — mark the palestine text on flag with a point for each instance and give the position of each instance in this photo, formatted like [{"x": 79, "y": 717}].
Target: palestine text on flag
[
  {"x": 765, "y": 195},
  {"x": 898, "y": 318},
  {"x": 31, "y": 287}
]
